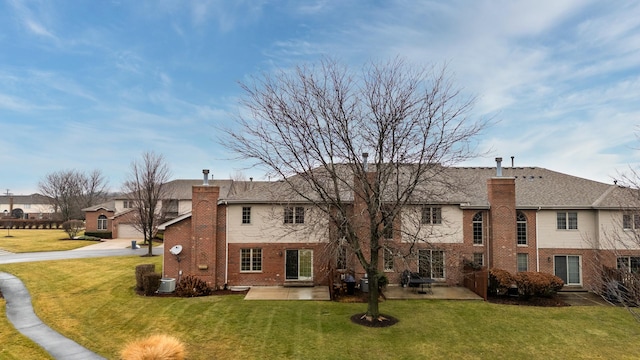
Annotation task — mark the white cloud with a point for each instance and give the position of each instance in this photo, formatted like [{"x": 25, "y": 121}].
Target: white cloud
[{"x": 33, "y": 20}]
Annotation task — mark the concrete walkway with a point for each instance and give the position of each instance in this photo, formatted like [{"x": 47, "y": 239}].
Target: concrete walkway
[
  {"x": 20, "y": 314},
  {"x": 18, "y": 301},
  {"x": 288, "y": 293}
]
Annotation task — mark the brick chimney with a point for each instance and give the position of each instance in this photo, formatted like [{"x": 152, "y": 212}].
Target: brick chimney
[
  {"x": 204, "y": 207},
  {"x": 502, "y": 245}
]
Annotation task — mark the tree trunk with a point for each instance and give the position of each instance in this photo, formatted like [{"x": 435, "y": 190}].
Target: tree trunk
[
  {"x": 373, "y": 311},
  {"x": 150, "y": 253}
]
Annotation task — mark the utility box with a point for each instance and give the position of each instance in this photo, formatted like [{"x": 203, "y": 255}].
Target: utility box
[
  {"x": 167, "y": 285},
  {"x": 364, "y": 285}
]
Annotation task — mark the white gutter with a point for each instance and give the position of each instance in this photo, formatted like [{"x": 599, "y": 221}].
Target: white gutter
[{"x": 488, "y": 239}]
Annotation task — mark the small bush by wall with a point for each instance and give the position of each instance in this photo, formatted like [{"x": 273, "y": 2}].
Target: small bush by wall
[
  {"x": 151, "y": 283},
  {"x": 500, "y": 281},
  {"x": 140, "y": 271},
  {"x": 99, "y": 234},
  {"x": 537, "y": 284},
  {"x": 191, "y": 286}
]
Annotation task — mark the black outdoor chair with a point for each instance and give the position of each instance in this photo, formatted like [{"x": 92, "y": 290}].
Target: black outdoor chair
[{"x": 414, "y": 280}]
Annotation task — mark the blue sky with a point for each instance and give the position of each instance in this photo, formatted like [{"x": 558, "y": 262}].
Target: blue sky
[{"x": 92, "y": 84}]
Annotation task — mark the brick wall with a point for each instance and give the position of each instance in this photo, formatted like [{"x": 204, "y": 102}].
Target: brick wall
[
  {"x": 91, "y": 220},
  {"x": 273, "y": 263},
  {"x": 199, "y": 237},
  {"x": 501, "y": 193},
  {"x": 177, "y": 234}
]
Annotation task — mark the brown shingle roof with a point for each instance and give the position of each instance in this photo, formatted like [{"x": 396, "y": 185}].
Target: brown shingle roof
[{"x": 535, "y": 187}]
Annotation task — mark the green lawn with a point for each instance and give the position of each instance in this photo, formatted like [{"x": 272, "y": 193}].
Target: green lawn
[
  {"x": 32, "y": 240},
  {"x": 92, "y": 302}
]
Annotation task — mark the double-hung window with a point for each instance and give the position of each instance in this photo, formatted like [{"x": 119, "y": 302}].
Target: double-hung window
[
  {"x": 431, "y": 215},
  {"x": 629, "y": 264},
  {"x": 567, "y": 220},
  {"x": 478, "y": 259},
  {"x": 341, "y": 257},
  {"x": 523, "y": 262},
  {"x": 387, "y": 223},
  {"x": 294, "y": 215},
  {"x": 251, "y": 260},
  {"x": 388, "y": 259},
  {"x": 246, "y": 214},
  {"x": 631, "y": 221}
]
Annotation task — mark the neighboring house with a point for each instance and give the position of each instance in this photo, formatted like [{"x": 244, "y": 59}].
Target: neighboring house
[
  {"x": 117, "y": 216},
  {"x": 517, "y": 219},
  {"x": 99, "y": 218},
  {"x": 34, "y": 206}
]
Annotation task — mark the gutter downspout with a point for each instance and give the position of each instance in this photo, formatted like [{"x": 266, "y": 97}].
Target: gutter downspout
[
  {"x": 537, "y": 243},
  {"x": 489, "y": 239},
  {"x": 226, "y": 243}
]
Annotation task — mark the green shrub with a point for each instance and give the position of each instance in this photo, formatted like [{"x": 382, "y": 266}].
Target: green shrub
[
  {"x": 141, "y": 270},
  {"x": 382, "y": 280},
  {"x": 99, "y": 234},
  {"x": 151, "y": 283},
  {"x": 86, "y": 237},
  {"x": 191, "y": 286},
  {"x": 500, "y": 281},
  {"x": 537, "y": 284}
]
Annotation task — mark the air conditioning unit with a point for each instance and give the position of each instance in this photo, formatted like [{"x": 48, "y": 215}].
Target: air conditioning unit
[{"x": 167, "y": 285}]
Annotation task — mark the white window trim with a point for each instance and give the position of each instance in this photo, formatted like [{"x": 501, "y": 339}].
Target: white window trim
[
  {"x": 251, "y": 250},
  {"x": 242, "y": 216},
  {"x": 566, "y": 228}
]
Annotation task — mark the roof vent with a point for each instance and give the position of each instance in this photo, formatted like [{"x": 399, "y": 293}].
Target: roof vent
[
  {"x": 205, "y": 174},
  {"x": 365, "y": 165},
  {"x": 499, "y": 167}
]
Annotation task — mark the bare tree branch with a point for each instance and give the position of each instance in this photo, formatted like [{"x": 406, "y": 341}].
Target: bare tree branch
[
  {"x": 72, "y": 190},
  {"x": 311, "y": 125},
  {"x": 146, "y": 189}
]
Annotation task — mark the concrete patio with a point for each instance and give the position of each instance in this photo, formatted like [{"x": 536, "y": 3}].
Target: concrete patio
[
  {"x": 396, "y": 292},
  {"x": 391, "y": 293},
  {"x": 288, "y": 293}
]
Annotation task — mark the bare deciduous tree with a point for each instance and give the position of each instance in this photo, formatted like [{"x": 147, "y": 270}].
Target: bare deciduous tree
[
  {"x": 72, "y": 190},
  {"x": 94, "y": 189},
  {"x": 311, "y": 125},
  {"x": 618, "y": 245},
  {"x": 146, "y": 188}
]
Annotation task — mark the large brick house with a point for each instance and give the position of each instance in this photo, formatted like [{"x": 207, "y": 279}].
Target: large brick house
[
  {"x": 513, "y": 218},
  {"x": 34, "y": 206}
]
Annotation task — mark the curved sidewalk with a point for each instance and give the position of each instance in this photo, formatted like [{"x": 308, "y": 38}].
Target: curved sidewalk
[{"x": 20, "y": 314}]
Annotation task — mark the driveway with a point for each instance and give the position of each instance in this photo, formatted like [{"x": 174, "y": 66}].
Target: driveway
[{"x": 91, "y": 251}]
